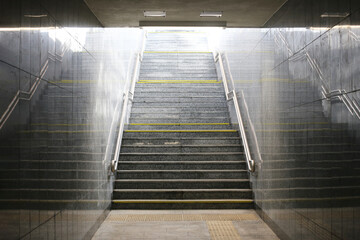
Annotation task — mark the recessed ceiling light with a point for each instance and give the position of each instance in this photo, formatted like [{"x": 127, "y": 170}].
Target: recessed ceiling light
[
  {"x": 334, "y": 15},
  {"x": 210, "y": 14},
  {"x": 35, "y": 15},
  {"x": 154, "y": 13}
]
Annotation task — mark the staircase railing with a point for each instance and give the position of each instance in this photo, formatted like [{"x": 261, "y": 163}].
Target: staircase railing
[
  {"x": 231, "y": 95},
  {"x": 127, "y": 97}
]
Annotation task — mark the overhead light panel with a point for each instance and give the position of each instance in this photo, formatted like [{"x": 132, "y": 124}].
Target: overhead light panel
[
  {"x": 35, "y": 15},
  {"x": 154, "y": 13},
  {"x": 211, "y": 14},
  {"x": 334, "y": 15}
]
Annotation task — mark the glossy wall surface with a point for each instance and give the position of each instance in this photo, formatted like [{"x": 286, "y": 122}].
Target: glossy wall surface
[
  {"x": 307, "y": 176},
  {"x": 61, "y": 92}
]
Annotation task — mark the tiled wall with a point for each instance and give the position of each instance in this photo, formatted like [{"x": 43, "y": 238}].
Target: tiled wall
[
  {"x": 307, "y": 178},
  {"x": 54, "y": 161}
]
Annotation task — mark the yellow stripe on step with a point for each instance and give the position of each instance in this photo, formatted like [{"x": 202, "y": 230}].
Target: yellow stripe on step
[
  {"x": 184, "y": 201},
  {"x": 149, "y": 131},
  {"x": 179, "y": 81},
  {"x": 176, "y": 52},
  {"x": 181, "y": 124}
]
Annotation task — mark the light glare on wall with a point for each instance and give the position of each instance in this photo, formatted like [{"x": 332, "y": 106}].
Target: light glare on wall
[
  {"x": 334, "y": 15},
  {"x": 211, "y": 14},
  {"x": 154, "y": 13}
]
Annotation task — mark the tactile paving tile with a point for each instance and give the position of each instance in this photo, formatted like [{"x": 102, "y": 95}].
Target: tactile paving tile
[
  {"x": 210, "y": 217},
  {"x": 222, "y": 230},
  {"x": 180, "y": 217},
  {"x": 116, "y": 218},
  {"x": 192, "y": 217}
]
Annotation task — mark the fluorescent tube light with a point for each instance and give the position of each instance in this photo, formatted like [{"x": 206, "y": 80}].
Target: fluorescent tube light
[
  {"x": 154, "y": 13},
  {"x": 334, "y": 15},
  {"x": 35, "y": 15},
  {"x": 211, "y": 14}
]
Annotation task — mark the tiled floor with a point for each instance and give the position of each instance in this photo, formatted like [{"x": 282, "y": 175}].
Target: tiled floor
[{"x": 184, "y": 224}]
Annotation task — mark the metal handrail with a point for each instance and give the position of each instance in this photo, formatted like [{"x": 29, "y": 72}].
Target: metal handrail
[
  {"x": 342, "y": 95},
  {"x": 128, "y": 96},
  {"x": 250, "y": 162}
]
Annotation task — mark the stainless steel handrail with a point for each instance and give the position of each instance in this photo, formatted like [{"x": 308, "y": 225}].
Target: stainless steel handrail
[
  {"x": 128, "y": 96},
  {"x": 250, "y": 162}
]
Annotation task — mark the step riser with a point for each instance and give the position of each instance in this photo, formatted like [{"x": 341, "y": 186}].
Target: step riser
[
  {"x": 167, "y": 95},
  {"x": 178, "y": 115},
  {"x": 218, "y": 157},
  {"x": 141, "y": 100},
  {"x": 180, "y": 120},
  {"x": 178, "y": 127},
  {"x": 185, "y": 166},
  {"x": 180, "y": 134},
  {"x": 159, "y": 206},
  {"x": 138, "y": 142},
  {"x": 183, "y": 195},
  {"x": 185, "y": 111},
  {"x": 163, "y": 184},
  {"x": 126, "y": 149},
  {"x": 213, "y": 105},
  {"x": 182, "y": 175}
]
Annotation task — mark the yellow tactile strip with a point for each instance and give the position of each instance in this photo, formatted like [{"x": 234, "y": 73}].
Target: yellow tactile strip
[
  {"x": 222, "y": 230},
  {"x": 180, "y": 217}
]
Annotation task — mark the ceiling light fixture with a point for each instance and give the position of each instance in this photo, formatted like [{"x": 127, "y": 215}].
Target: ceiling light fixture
[
  {"x": 35, "y": 15},
  {"x": 211, "y": 14},
  {"x": 334, "y": 15},
  {"x": 154, "y": 13}
]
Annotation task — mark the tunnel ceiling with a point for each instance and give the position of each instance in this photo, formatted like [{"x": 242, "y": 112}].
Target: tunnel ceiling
[{"x": 236, "y": 13}]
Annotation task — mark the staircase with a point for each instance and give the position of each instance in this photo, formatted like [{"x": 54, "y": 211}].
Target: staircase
[{"x": 179, "y": 150}]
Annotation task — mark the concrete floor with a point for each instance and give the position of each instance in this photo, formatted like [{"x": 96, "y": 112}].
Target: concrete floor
[{"x": 184, "y": 224}]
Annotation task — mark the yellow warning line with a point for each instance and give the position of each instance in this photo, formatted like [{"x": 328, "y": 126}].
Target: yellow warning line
[
  {"x": 176, "y": 52},
  {"x": 181, "y": 124},
  {"x": 149, "y": 131},
  {"x": 174, "y": 32},
  {"x": 184, "y": 201},
  {"x": 179, "y": 81}
]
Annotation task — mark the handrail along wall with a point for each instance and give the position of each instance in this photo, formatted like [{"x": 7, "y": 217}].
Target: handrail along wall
[{"x": 250, "y": 162}]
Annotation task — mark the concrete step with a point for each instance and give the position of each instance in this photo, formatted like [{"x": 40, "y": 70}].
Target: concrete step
[
  {"x": 192, "y": 156},
  {"x": 193, "y": 110},
  {"x": 182, "y": 204},
  {"x": 186, "y": 165},
  {"x": 175, "y": 94},
  {"x": 162, "y": 104},
  {"x": 180, "y": 88},
  {"x": 179, "y": 141},
  {"x": 179, "y": 126},
  {"x": 223, "y": 119},
  {"x": 180, "y": 149},
  {"x": 179, "y": 134},
  {"x": 182, "y": 193},
  {"x": 146, "y": 114},
  {"x": 173, "y": 99},
  {"x": 182, "y": 174},
  {"x": 181, "y": 183}
]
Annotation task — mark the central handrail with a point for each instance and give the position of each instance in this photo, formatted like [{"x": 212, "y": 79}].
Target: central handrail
[
  {"x": 250, "y": 162},
  {"x": 127, "y": 96}
]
